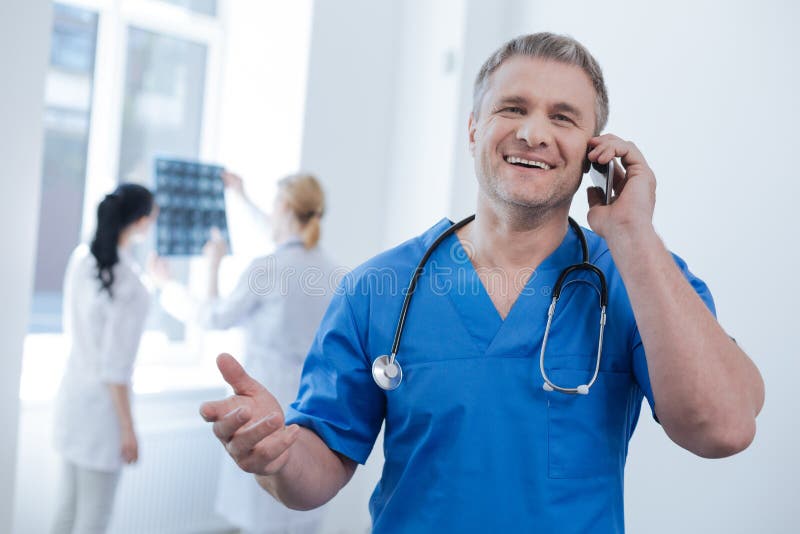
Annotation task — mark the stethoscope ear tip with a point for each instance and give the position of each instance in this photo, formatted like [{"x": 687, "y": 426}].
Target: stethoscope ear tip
[
  {"x": 547, "y": 387},
  {"x": 583, "y": 389}
]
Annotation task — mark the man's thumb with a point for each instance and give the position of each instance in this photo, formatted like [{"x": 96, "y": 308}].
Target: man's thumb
[{"x": 235, "y": 375}]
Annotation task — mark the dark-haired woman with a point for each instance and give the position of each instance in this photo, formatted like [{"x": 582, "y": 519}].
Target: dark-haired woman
[{"x": 105, "y": 306}]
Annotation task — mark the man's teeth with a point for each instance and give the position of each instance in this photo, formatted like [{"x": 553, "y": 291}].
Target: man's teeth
[{"x": 527, "y": 162}]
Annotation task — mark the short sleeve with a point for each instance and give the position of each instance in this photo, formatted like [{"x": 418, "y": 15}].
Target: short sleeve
[
  {"x": 122, "y": 334},
  {"x": 338, "y": 399},
  {"x": 639, "y": 357}
]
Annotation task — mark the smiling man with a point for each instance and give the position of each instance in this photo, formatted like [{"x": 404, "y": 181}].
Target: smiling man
[{"x": 509, "y": 407}]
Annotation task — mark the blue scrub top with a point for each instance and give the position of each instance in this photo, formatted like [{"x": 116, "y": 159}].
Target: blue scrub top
[{"x": 472, "y": 442}]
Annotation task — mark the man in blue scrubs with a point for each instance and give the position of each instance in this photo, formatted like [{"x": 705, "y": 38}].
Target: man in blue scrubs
[{"x": 473, "y": 443}]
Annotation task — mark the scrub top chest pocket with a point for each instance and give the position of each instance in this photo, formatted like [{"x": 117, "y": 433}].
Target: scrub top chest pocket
[{"x": 587, "y": 435}]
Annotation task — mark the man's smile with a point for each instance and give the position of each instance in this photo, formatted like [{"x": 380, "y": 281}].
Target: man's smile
[{"x": 527, "y": 163}]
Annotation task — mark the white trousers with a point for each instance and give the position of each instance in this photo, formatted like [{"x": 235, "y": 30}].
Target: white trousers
[{"x": 85, "y": 500}]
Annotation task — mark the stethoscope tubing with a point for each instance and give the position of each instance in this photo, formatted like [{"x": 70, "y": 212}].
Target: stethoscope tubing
[
  {"x": 388, "y": 374},
  {"x": 398, "y": 333}
]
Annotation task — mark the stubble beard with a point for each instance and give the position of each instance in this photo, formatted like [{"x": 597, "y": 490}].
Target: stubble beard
[{"x": 528, "y": 211}]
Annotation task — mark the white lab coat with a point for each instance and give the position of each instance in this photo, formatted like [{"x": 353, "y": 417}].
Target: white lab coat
[
  {"x": 103, "y": 334},
  {"x": 279, "y": 301}
]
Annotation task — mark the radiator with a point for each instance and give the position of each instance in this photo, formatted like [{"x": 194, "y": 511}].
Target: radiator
[{"x": 172, "y": 488}]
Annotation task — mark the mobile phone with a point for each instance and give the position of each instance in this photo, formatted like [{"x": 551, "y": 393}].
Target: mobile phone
[{"x": 603, "y": 177}]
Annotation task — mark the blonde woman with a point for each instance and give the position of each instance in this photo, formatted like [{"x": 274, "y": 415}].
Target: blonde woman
[{"x": 279, "y": 301}]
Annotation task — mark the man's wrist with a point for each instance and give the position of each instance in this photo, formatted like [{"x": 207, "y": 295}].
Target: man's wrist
[
  {"x": 637, "y": 252},
  {"x": 273, "y": 482},
  {"x": 632, "y": 236}
]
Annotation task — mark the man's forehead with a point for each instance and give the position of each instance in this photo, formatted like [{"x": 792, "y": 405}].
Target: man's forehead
[
  {"x": 523, "y": 78},
  {"x": 521, "y": 70}
]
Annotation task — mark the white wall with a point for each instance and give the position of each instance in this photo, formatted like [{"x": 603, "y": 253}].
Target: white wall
[
  {"x": 486, "y": 26},
  {"x": 348, "y": 122},
  {"x": 428, "y": 71},
  {"x": 24, "y": 45}
]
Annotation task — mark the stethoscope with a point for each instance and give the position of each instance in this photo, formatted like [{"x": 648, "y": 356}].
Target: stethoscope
[{"x": 387, "y": 372}]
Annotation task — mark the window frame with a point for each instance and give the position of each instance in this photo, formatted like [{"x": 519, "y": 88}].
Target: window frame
[
  {"x": 114, "y": 20},
  {"x": 115, "y": 17}
]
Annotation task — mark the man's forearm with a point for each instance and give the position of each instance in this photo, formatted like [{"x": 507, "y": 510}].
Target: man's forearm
[
  {"x": 707, "y": 391},
  {"x": 312, "y": 476}
]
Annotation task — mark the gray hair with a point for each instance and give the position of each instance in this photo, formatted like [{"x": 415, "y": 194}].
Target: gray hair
[{"x": 547, "y": 46}]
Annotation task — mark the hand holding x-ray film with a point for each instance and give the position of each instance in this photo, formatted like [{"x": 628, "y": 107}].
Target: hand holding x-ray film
[{"x": 250, "y": 424}]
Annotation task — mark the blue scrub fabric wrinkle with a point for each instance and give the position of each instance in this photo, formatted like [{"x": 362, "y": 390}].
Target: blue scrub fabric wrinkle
[{"x": 472, "y": 441}]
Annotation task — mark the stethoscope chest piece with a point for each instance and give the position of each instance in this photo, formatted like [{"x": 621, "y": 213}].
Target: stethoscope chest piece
[{"x": 387, "y": 373}]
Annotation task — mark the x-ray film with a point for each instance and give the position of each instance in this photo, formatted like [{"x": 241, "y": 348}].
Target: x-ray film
[{"x": 192, "y": 201}]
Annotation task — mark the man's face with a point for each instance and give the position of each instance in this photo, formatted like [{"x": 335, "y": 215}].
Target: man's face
[{"x": 530, "y": 137}]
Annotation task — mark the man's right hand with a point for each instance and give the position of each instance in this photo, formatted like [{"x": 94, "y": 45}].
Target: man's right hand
[{"x": 250, "y": 424}]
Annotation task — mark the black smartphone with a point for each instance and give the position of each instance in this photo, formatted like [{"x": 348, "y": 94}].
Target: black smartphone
[{"x": 603, "y": 177}]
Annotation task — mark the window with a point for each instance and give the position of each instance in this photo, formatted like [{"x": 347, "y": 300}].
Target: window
[
  {"x": 162, "y": 114},
  {"x": 206, "y": 7},
  {"x": 68, "y": 104},
  {"x": 128, "y": 80},
  {"x": 133, "y": 79},
  {"x": 162, "y": 103}
]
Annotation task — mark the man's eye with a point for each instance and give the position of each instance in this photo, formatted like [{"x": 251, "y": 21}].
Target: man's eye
[
  {"x": 560, "y": 117},
  {"x": 513, "y": 109}
]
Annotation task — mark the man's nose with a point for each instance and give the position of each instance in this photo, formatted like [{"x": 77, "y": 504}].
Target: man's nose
[{"x": 535, "y": 130}]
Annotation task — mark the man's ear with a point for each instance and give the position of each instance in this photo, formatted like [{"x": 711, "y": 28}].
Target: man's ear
[
  {"x": 471, "y": 131},
  {"x": 587, "y": 164}
]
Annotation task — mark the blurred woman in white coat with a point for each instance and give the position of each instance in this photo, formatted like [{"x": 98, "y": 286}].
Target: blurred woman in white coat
[
  {"x": 279, "y": 301},
  {"x": 105, "y": 306}
]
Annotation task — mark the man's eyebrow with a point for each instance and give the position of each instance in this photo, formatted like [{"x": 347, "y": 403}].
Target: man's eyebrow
[
  {"x": 512, "y": 100},
  {"x": 564, "y": 107}
]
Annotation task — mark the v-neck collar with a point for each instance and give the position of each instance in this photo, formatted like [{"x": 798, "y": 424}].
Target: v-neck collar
[{"x": 474, "y": 306}]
